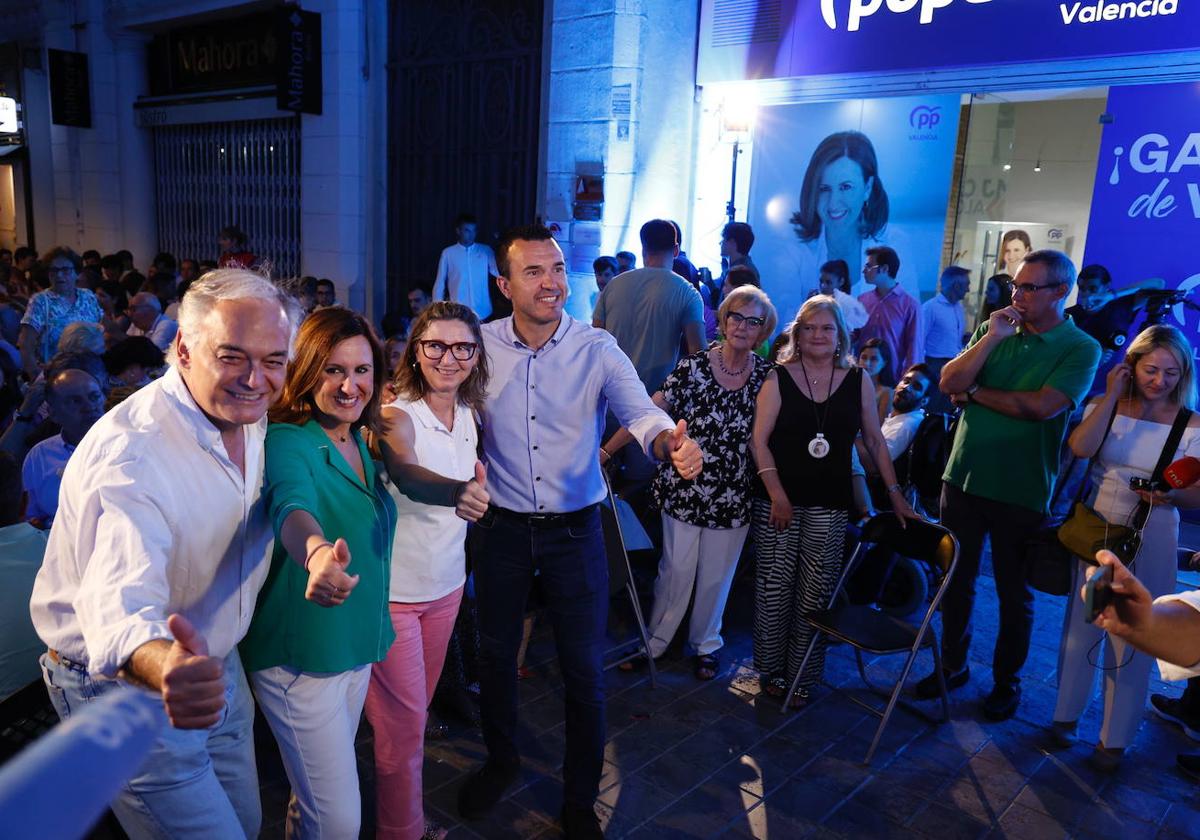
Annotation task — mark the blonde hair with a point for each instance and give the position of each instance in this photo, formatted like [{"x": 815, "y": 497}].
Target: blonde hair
[
  {"x": 1166, "y": 337},
  {"x": 790, "y": 351},
  {"x": 751, "y": 294}
]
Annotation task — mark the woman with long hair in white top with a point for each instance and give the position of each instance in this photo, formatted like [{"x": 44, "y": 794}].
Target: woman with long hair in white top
[{"x": 439, "y": 383}]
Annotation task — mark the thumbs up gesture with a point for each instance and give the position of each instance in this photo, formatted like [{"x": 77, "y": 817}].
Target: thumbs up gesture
[
  {"x": 684, "y": 452},
  {"x": 473, "y": 498},
  {"x": 192, "y": 682},
  {"x": 328, "y": 583}
]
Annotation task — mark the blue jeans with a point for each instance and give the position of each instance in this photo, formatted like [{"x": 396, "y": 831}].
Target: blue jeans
[
  {"x": 196, "y": 783},
  {"x": 573, "y": 570}
]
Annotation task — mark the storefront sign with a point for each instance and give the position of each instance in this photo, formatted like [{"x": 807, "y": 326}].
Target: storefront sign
[
  {"x": 830, "y": 180},
  {"x": 70, "y": 92},
  {"x": 219, "y": 55},
  {"x": 740, "y": 41},
  {"x": 1145, "y": 218},
  {"x": 298, "y": 75}
]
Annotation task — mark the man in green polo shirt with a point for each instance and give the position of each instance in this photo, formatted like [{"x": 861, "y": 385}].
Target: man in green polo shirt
[{"x": 1017, "y": 382}]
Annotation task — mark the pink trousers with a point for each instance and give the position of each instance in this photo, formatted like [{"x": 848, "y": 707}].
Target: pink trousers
[{"x": 397, "y": 702}]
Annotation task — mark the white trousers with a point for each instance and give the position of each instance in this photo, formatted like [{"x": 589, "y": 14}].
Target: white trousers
[
  {"x": 703, "y": 558},
  {"x": 1125, "y": 686},
  {"x": 314, "y": 718}
]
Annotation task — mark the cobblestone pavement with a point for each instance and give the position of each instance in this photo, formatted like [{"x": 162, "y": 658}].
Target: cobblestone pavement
[{"x": 694, "y": 759}]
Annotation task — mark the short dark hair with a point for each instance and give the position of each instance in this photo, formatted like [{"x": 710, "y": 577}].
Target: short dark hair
[
  {"x": 89, "y": 254},
  {"x": 602, "y": 263},
  {"x": 118, "y": 294},
  {"x": 1095, "y": 271},
  {"x": 954, "y": 273},
  {"x": 626, "y": 255},
  {"x": 741, "y": 233},
  {"x": 111, "y": 262},
  {"x": 235, "y": 234},
  {"x": 921, "y": 368},
  {"x": 658, "y": 236},
  {"x": 887, "y": 258},
  {"x": 678, "y": 232},
  {"x": 839, "y": 269},
  {"x": 22, "y": 252},
  {"x": 134, "y": 350},
  {"x": 126, "y": 258},
  {"x": 521, "y": 233},
  {"x": 324, "y": 281},
  {"x": 165, "y": 261},
  {"x": 10, "y": 490},
  {"x": 742, "y": 275},
  {"x": 465, "y": 219}
]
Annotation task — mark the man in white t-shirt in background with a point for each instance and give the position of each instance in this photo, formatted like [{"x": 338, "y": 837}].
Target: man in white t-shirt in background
[{"x": 465, "y": 269}]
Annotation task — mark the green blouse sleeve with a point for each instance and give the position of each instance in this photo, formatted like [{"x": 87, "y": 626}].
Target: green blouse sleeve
[{"x": 290, "y": 483}]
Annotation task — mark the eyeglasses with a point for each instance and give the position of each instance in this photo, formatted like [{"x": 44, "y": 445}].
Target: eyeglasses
[
  {"x": 1030, "y": 288},
  {"x": 463, "y": 351},
  {"x": 61, "y": 269},
  {"x": 739, "y": 318}
]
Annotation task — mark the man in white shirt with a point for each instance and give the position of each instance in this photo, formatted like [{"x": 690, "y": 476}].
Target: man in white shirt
[
  {"x": 147, "y": 318},
  {"x": 76, "y": 402},
  {"x": 157, "y": 554},
  {"x": 945, "y": 326},
  {"x": 908, "y": 410},
  {"x": 465, "y": 269}
]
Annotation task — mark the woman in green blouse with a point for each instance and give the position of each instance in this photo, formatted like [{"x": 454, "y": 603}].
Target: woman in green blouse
[{"x": 322, "y": 616}]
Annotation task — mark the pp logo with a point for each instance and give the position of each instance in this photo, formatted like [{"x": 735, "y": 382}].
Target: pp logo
[
  {"x": 925, "y": 117},
  {"x": 860, "y": 9},
  {"x": 1054, "y": 234}
]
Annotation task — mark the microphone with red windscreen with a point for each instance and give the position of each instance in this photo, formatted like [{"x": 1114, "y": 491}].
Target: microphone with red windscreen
[{"x": 1183, "y": 473}]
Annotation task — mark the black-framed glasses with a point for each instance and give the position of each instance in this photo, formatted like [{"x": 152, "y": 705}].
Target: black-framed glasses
[
  {"x": 739, "y": 318},
  {"x": 60, "y": 269},
  {"x": 1030, "y": 288},
  {"x": 463, "y": 351}
]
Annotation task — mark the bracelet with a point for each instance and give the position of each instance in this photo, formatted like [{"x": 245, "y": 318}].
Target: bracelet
[
  {"x": 768, "y": 469},
  {"x": 894, "y": 488},
  {"x": 606, "y": 453},
  {"x": 319, "y": 546}
]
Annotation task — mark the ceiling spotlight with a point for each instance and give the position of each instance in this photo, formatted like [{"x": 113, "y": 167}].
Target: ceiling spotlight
[
  {"x": 1037, "y": 167},
  {"x": 1007, "y": 167}
]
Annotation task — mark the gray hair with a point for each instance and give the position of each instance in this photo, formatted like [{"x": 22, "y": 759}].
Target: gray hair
[
  {"x": 147, "y": 298},
  {"x": 1059, "y": 268},
  {"x": 81, "y": 337},
  {"x": 231, "y": 284}
]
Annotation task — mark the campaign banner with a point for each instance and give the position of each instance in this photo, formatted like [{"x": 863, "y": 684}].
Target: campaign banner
[
  {"x": 1145, "y": 215},
  {"x": 832, "y": 179},
  {"x": 741, "y": 41}
]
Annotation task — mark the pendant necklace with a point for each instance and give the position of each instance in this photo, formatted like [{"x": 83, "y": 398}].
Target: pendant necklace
[{"x": 818, "y": 447}]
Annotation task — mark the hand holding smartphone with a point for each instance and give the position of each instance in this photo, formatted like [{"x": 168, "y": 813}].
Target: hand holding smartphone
[{"x": 1097, "y": 592}]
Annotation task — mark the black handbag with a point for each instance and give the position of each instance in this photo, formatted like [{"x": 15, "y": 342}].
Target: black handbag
[{"x": 1050, "y": 565}]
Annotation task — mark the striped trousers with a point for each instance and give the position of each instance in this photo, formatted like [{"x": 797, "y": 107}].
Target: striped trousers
[{"x": 795, "y": 572}]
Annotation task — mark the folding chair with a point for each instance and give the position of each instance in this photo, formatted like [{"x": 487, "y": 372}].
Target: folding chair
[
  {"x": 879, "y": 633},
  {"x": 620, "y": 576}
]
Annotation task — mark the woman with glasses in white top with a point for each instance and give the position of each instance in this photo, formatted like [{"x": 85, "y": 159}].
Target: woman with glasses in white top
[{"x": 439, "y": 382}]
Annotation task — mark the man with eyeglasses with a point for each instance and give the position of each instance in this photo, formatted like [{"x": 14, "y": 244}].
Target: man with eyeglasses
[
  {"x": 1020, "y": 377},
  {"x": 551, "y": 378},
  {"x": 893, "y": 315}
]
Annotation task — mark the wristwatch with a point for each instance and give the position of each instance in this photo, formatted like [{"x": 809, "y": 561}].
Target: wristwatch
[{"x": 970, "y": 392}]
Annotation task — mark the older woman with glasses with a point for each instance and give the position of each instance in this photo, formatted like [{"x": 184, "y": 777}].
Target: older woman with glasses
[
  {"x": 49, "y": 312},
  {"x": 706, "y": 518},
  {"x": 430, "y": 451}
]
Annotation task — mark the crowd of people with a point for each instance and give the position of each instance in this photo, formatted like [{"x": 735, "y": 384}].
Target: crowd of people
[{"x": 335, "y": 466}]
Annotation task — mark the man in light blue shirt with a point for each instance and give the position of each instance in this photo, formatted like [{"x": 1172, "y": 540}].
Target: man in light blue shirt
[{"x": 552, "y": 378}]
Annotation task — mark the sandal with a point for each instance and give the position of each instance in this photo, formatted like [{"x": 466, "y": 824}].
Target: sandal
[{"x": 706, "y": 665}]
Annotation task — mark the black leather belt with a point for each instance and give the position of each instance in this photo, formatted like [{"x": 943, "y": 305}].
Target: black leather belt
[
  {"x": 546, "y": 520},
  {"x": 58, "y": 659}
]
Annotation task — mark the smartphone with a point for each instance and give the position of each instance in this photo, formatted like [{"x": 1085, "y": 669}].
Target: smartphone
[{"x": 1097, "y": 593}]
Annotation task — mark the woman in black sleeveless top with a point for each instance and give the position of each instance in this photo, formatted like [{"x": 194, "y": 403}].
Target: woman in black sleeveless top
[{"x": 810, "y": 409}]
